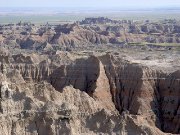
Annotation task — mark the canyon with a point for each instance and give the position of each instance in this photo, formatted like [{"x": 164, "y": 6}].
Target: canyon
[
  {"x": 97, "y": 76},
  {"x": 90, "y": 32}
]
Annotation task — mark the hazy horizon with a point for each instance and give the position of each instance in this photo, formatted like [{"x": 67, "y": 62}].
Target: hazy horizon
[
  {"x": 58, "y": 10},
  {"x": 55, "y": 10},
  {"x": 124, "y": 4}
]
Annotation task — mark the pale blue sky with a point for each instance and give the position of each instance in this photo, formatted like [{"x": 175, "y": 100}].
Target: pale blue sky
[{"x": 90, "y": 3}]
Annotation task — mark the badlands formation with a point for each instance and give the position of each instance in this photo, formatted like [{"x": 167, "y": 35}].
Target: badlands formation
[{"x": 97, "y": 76}]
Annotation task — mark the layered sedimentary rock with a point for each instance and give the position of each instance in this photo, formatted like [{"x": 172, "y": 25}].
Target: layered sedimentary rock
[
  {"x": 91, "y": 31},
  {"x": 107, "y": 93},
  {"x": 75, "y": 79},
  {"x": 73, "y": 35}
]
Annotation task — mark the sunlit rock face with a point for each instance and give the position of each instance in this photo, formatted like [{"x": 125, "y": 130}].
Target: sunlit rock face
[
  {"x": 91, "y": 31},
  {"x": 87, "y": 95},
  {"x": 77, "y": 79}
]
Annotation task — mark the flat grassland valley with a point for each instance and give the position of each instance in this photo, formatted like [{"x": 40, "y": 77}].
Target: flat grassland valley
[{"x": 62, "y": 74}]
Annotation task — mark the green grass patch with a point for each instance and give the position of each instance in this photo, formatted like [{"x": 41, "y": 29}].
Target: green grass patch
[
  {"x": 154, "y": 44},
  {"x": 165, "y": 44},
  {"x": 137, "y": 43}
]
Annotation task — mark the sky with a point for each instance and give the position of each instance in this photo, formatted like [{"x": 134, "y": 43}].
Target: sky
[{"x": 91, "y": 3}]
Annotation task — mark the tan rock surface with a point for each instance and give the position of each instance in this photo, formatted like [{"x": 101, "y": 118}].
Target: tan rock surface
[
  {"x": 93, "y": 94},
  {"x": 62, "y": 79}
]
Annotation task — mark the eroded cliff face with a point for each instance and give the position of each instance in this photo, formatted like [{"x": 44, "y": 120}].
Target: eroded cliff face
[
  {"x": 72, "y": 35},
  {"x": 167, "y": 97},
  {"x": 145, "y": 91},
  {"x": 90, "y": 32},
  {"x": 91, "y": 94}
]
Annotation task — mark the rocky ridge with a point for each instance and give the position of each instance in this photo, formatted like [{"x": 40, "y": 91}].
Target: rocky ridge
[
  {"x": 88, "y": 78},
  {"x": 91, "y": 93},
  {"x": 91, "y": 31}
]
